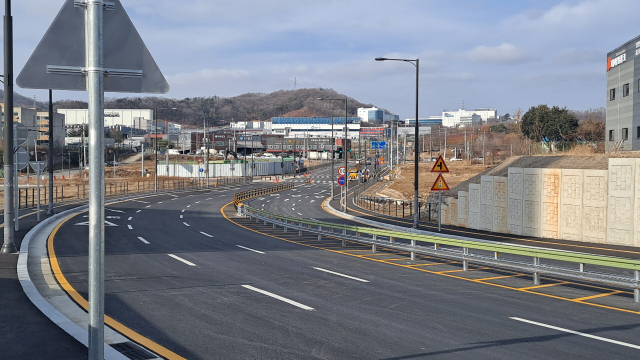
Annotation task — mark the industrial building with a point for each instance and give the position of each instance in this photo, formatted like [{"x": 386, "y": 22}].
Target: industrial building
[
  {"x": 315, "y": 127},
  {"x": 375, "y": 115},
  {"x": 623, "y": 83},
  {"x": 136, "y": 119},
  {"x": 463, "y": 117},
  {"x": 430, "y": 121}
]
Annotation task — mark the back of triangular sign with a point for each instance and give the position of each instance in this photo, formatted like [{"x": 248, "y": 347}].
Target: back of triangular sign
[{"x": 63, "y": 46}]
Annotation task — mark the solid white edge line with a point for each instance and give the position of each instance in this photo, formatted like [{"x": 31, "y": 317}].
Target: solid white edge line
[
  {"x": 181, "y": 259},
  {"x": 288, "y": 301},
  {"x": 130, "y": 217},
  {"x": 130, "y": 227},
  {"x": 138, "y": 211},
  {"x": 205, "y": 234},
  {"x": 339, "y": 274},
  {"x": 118, "y": 211},
  {"x": 143, "y": 240},
  {"x": 250, "y": 249},
  {"x": 577, "y": 333},
  {"x": 185, "y": 224}
]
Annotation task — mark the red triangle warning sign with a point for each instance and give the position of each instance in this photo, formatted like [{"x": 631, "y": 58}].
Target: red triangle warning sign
[
  {"x": 440, "y": 166},
  {"x": 440, "y": 184}
]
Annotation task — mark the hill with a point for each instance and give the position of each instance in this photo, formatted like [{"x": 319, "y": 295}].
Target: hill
[{"x": 221, "y": 111}]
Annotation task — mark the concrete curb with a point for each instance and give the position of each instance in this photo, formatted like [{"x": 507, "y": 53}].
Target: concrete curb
[{"x": 77, "y": 332}]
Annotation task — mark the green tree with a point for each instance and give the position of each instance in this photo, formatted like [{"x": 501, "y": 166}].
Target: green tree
[{"x": 553, "y": 124}]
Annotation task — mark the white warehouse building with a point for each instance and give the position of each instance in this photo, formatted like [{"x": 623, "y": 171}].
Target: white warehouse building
[
  {"x": 467, "y": 117},
  {"x": 133, "y": 118}
]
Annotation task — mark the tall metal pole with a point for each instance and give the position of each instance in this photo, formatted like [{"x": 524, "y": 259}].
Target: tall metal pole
[
  {"x": 346, "y": 157},
  {"x": 416, "y": 148},
  {"x": 333, "y": 175},
  {"x": 206, "y": 149},
  {"x": 155, "y": 148},
  {"x": 51, "y": 154},
  {"x": 8, "y": 247},
  {"x": 95, "y": 88}
]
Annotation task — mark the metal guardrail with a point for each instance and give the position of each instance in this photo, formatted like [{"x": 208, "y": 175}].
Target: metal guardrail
[
  {"x": 248, "y": 194},
  {"x": 462, "y": 247}
]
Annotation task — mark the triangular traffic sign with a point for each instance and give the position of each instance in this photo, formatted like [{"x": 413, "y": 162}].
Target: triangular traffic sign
[
  {"x": 58, "y": 62},
  {"x": 440, "y": 184},
  {"x": 440, "y": 166}
]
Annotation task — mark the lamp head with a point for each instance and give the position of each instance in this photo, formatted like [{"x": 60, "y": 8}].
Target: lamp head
[{"x": 381, "y": 59}]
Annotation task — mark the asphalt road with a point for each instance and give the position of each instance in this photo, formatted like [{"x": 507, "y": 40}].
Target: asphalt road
[{"x": 182, "y": 275}]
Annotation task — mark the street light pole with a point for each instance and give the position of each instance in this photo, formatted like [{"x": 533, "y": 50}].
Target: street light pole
[
  {"x": 416, "y": 148},
  {"x": 155, "y": 146},
  {"x": 344, "y": 148}
]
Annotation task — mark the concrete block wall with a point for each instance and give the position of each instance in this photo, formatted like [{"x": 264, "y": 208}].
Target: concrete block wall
[
  {"x": 463, "y": 208},
  {"x": 620, "y": 224},
  {"x": 500, "y": 203},
  {"x": 486, "y": 203},
  {"x": 596, "y": 206},
  {"x": 515, "y": 200},
  {"x": 474, "y": 206}
]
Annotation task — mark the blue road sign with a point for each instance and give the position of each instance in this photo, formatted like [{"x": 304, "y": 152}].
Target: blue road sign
[
  {"x": 378, "y": 145},
  {"x": 201, "y": 170},
  {"x": 341, "y": 180}
]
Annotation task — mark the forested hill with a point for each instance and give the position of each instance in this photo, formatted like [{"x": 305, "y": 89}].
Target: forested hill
[{"x": 219, "y": 111}]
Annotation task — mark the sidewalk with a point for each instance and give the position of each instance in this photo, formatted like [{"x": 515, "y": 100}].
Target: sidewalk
[{"x": 26, "y": 333}]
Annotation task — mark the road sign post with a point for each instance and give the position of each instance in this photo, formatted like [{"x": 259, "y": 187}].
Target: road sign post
[
  {"x": 440, "y": 185},
  {"x": 342, "y": 180},
  {"x": 38, "y": 167},
  {"x": 73, "y": 55}
]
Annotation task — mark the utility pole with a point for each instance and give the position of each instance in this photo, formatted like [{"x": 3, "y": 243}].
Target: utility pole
[
  {"x": 50, "y": 210},
  {"x": 8, "y": 247},
  {"x": 484, "y": 136}
]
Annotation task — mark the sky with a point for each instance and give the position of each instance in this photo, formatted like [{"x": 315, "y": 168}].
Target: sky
[{"x": 502, "y": 54}]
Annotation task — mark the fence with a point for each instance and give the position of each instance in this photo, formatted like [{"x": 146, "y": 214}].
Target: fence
[
  {"x": 248, "y": 194},
  {"x": 29, "y": 196}
]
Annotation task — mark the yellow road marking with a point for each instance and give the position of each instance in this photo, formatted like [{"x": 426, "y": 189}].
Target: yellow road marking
[
  {"x": 134, "y": 336},
  {"x": 427, "y": 264},
  {"x": 452, "y": 271},
  {"x": 415, "y": 267},
  {"x": 544, "y": 286},
  {"x": 597, "y": 296},
  {"x": 500, "y": 277}
]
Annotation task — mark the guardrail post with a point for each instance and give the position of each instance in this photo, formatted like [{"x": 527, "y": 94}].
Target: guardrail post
[
  {"x": 413, "y": 253},
  {"x": 274, "y": 225},
  {"x": 496, "y": 255},
  {"x": 536, "y": 275},
  {"x": 319, "y": 237},
  {"x": 435, "y": 246},
  {"x": 465, "y": 262},
  {"x": 375, "y": 237},
  {"x": 299, "y": 232},
  {"x": 373, "y": 248},
  {"x": 581, "y": 267},
  {"x": 636, "y": 291}
]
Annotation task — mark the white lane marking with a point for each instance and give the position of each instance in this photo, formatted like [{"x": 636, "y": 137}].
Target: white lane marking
[
  {"x": 299, "y": 214},
  {"x": 197, "y": 202},
  {"x": 148, "y": 206},
  {"x": 312, "y": 201},
  {"x": 138, "y": 211},
  {"x": 174, "y": 199},
  {"x": 223, "y": 195},
  {"x": 577, "y": 333},
  {"x": 159, "y": 202},
  {"x": 288, "y": 301},
  {"x": 286, "y": 199},
  {"x": 339, "y": 274},
  {"x": 262, "y": 205},
  {"x": 294, "y": 209},
  {"x": 188, "y": 206},
  {"x": 246, "y": 248},
  {"x": 118, "y": 211},
  {"x": 181, "y": 216},
  {"x": 143, "y": 240},
  {"x": 174, "y": 195},
  {"x": 205, "y": 234},
  {"x": 209, "y": 199},
  {"x": 191, "y": 195},
  {"x": 130, "y": 227},
  {"x": 185, "y": 224},
  {"x": 183, "y": 260},
  {"x": 130, "y": 217},
  {"x": 140, "y": 201},
  {"x": 183, "y": 210}
]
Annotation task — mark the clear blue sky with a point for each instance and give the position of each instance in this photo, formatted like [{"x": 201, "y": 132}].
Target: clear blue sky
[{"x": 486, "y": 53}]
